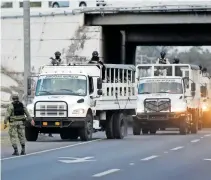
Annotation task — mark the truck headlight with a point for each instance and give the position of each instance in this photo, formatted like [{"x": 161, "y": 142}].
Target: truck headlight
[
  {"x": 78, "y": 111},
  {"x": 204, "y": 107},
  {"x": 179, "y": 107},
  {"x": 140, "y": 110}
]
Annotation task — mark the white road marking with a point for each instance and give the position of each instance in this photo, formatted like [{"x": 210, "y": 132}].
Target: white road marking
[
  {"x": 177, "y": 148},
  {"x": 131, "y": 164},
  {"x": 166, "y": 152},
  {"x": 106, "y": 172},
  {"x": 207, "y": 135},
  {"x": 76, "y": 160},
  {"x": 202, "y": 137},
  {"x": 207, "y": 159},
  {"x": 149, "y": 158},
  {"x": 53, "y": 149},
  {"x": 195, "y": 140}
]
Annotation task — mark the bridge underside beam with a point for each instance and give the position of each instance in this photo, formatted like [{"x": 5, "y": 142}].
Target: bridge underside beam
[
  {"x": 148, "y": 18},
  {"x": 181, "y": 35}
]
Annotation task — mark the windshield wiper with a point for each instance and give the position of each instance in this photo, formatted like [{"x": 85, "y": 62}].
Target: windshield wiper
[
  {"x": 145, "y": 93},
  {"x": 162, "y": 92},
  {"x": 66, "y": 90},
  {"x": 45, "y": 92}
]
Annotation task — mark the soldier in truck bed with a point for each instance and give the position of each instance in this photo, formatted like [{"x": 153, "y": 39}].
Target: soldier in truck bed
[
  {"x": 16, "y": 116},
  {"x": 96, "y": 60},
  {"x": 57, "y": 60}
]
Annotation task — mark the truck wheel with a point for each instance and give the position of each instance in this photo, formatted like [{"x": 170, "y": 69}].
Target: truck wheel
[
  {"x": 152, "y": 131},
  {"x": 119, "y": 126},
  {"x": 31, "y": 133},
  {"x": 85, "y": 133},
  {"x": 183, "y": 129},
  {"x": 136, "y": 128},
  {"x": 64, "y": 135},
  {"x": 200, "y": 126},
  {"x": 109, "y": 127},
  {"x": 194, "y": 128},
  {"x": 73, "y": 134},
  {"x": 145, "y": 131},
  {"x": 194, "y": 125}
]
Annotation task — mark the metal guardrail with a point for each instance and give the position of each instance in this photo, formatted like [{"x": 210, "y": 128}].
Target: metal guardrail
[
  {"x": 147, "y": 9},
  {"x": 106, "y": 9}
]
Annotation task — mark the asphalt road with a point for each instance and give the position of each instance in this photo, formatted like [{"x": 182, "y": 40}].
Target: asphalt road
[{"x": 164, "y": 156}]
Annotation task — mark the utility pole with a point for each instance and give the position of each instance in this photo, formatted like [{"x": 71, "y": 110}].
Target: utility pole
[{"x": 27, "y": 46}]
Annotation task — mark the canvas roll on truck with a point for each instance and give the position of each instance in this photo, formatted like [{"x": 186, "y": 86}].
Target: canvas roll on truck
[
  {"x": 77, "y": 100},
  {"x": 168, "y": 97}
]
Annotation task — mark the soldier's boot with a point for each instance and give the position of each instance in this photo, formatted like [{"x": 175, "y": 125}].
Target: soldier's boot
[
  {"x": 15, "y": 153},
  {"x": 23, "y": 152}
]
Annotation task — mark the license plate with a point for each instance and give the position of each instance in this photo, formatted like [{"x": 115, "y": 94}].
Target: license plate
[{"x": 158, "y": 117}]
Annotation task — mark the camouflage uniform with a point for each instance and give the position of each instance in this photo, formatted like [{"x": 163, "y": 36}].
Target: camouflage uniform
[{"x": 16, "y": 116}]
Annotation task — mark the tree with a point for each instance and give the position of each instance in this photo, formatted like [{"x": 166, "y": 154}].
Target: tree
[{"x": 195, "y": 55}]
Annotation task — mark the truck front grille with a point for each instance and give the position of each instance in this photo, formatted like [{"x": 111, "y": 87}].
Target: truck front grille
[
  {"x": 157, "y": 105},
  {"x": 51, "y": 109}
]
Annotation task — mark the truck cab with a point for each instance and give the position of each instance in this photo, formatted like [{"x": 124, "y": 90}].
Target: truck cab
[
  {"x": 64, "y": 98},
  {"x": 167, "y": 95}
]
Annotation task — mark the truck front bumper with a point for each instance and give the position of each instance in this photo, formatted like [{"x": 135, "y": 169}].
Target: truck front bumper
[
  {"x": 59, "y": 122},
  {"x": 160, "y": 119}
]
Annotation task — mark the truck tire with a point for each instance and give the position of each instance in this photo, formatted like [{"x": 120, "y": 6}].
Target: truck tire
[
  {"x": 200, "y": 125},
  {"x": 73, "y": 134},
  {"x": 183, "y": 129},
  {"x": 85, "y": 133},
  {"x": 136, "y": 128},
  {"x": 64, "y": 135},
  {"x": 194, "y": 125},
  {"x": 153, "y": 131},
  {"x": 31, "y": 133},
  {"x": 109, "y": 127},
  {"x": 119, "y": 125},
  {"x": 145, "y": 131}
]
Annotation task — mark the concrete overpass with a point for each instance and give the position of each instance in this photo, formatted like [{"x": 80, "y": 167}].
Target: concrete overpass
[{"x": 125, "y": 28}]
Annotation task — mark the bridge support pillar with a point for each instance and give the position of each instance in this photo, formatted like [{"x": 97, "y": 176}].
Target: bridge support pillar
[
  {"x": 130, "y": 53},
  {"x": 123, "y": 53},
  {"x": 116, "y": 50},
  {"x": 112, "y": 45}
]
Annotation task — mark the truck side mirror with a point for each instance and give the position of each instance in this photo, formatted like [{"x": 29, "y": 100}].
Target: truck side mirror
[
  {"x": 99, "y": 83},
  {"x": 99, "y": 92},
  {"x": 203, "y": 90},
  {"x": 29, "y": 83},
  {"x": 193, "y": 87}
]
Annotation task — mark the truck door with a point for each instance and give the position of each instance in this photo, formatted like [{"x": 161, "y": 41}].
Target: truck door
[
  {"x": 31, "y": 87},
  {"x": 91, "y": 92}
]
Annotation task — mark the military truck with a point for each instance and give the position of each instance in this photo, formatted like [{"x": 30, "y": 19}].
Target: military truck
[
  {"x": 169, "y": 96},
  {"x": 78, "y": 100}
]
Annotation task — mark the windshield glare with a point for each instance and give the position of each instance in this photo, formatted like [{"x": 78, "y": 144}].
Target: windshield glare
[
  {"x": 160, "y": 87},
  {"x": 62, "y": 85}
]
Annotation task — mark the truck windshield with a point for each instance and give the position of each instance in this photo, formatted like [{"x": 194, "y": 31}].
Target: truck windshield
[
  {"x": 61, "y": 85},
  {"x": 160, "y": 86}
]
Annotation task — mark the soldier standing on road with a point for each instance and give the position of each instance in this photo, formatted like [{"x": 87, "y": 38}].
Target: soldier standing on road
[{"x": 16, "y": 116}]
